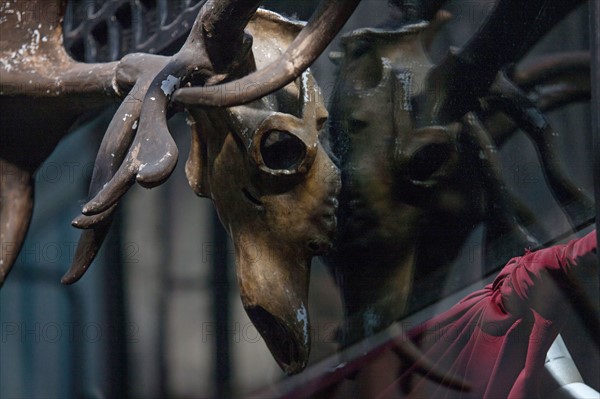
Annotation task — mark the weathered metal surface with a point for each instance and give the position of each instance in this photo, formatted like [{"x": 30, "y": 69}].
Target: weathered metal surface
[
  {"x": 42, "y": 93},
  {"x": 416, "y": 142}
]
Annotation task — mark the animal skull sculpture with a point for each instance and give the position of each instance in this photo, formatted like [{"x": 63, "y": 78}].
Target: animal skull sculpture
[
  {"x": 275, "y": 189},
  {"x": 263, "y": 163}
]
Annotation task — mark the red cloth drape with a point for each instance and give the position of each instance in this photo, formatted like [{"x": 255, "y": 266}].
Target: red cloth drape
[{"x": 497, "y": 338}]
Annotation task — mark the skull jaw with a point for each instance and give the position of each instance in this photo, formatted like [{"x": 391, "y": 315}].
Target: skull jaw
[
  {"x": 273, "y": 283},
  {"x": 285, "y": 340}
]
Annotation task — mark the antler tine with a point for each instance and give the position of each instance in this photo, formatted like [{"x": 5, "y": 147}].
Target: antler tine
[
  {"x": 515, "y": 103},
  {"x": 115, "y": 143},
  {"x": 509, "y": 220},
  {"x": 227, "y": 19},
  {"x": 153, "y": 154},
  {"x": 222, "y": 27},
  {"x": 519, "y": 25},
  {"x": 549, "y": 68},
  {"x": 88, "y": 246},
  {"x": 551, "y": 82},
  {"x": 326, "y": 21}
]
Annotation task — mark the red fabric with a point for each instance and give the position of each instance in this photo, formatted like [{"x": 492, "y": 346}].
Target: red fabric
[{"x": 497, "y": 338}]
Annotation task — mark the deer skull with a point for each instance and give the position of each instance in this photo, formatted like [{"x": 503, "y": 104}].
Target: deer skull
[{"x": 275, "y": 189}]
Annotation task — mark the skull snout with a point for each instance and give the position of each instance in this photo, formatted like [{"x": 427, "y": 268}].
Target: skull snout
[
  {"x": 274, "y": 291},
  {"x": 288, "y": 348}
]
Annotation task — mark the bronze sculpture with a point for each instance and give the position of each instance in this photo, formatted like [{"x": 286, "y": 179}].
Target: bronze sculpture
[
  {"x": 275, "y": 190},
  {"x": 263, "y": 165},
  {"x": 244, "y": 142},
  {"x": 245, "y": 146}
]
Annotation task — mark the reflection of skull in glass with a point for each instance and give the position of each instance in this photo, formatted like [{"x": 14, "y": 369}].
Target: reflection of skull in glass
[
  {"x": 391, "y": 171},
  {"x": 275, "y": 189},
  {"x": 413, "y": 190}
]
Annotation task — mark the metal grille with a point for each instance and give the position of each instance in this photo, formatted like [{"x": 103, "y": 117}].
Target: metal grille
[{"x": 102, "y": 31}]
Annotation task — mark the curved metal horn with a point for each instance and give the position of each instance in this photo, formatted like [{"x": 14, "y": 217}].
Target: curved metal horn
[
  {"x": 223, "y": 28},
  {"x": 116, "y": 141},
  {"x": 551, "y": 82},
  {"x": 325, "y": 23},
  {"x": 515, "y": 103},
  {"x": 153, "y": 153},
  {"x": 484, "y": 55},
  {"x": 47, "y": 93}
]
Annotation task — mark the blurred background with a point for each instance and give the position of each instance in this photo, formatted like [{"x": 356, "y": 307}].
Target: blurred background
[{"x": 158, "y": 315}]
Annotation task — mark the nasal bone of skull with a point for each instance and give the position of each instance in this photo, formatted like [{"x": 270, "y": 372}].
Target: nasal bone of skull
[{"x": 274, "y": 289}]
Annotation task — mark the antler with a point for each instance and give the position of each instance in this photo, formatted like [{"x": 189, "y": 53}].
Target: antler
[
  {"x": 152, "y": 154},
  {"x": 308, "y": 45},
  {"x": 113, "y": 150},
  {"x": 202, "y": 59},
  {"x": 42, "y": 93},
  {"x": 327, "y": 20},
  {"x": 505, "y": 227},
  {"x": 519, "y": 25},
  {"x": 550, "y": 82},
  {"x": 515, "y": 103}
]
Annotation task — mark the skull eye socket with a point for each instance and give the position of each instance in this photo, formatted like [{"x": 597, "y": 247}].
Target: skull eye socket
[
  {"x": 428, "y": 160},
  {"x": 281, "y": 150}
]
